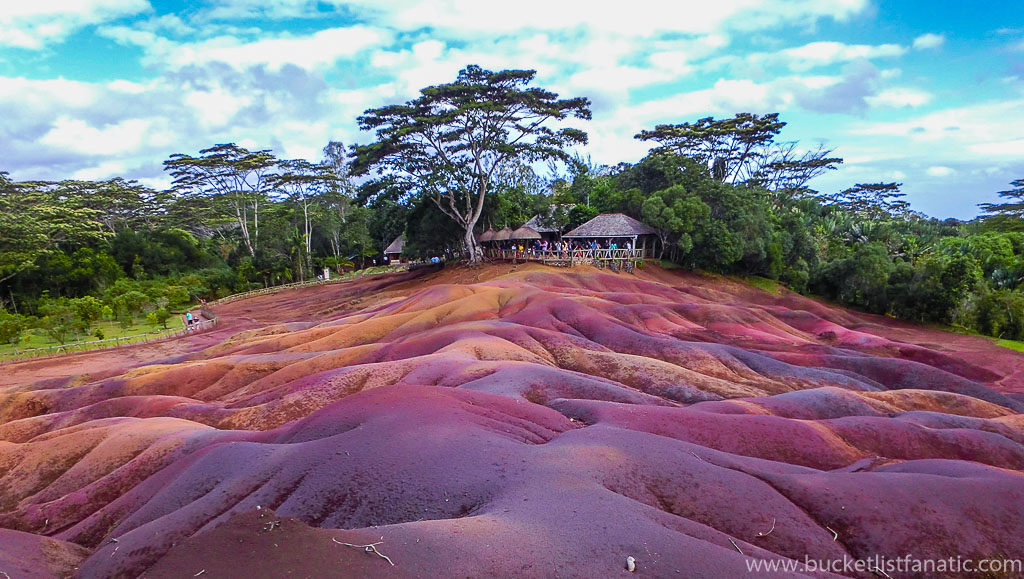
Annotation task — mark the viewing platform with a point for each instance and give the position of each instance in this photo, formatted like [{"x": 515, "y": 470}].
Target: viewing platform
[{"x": 615, "y": 259}]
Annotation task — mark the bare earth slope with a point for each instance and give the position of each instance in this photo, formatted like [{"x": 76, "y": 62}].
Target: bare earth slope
[{"x": 514, "y": 421}]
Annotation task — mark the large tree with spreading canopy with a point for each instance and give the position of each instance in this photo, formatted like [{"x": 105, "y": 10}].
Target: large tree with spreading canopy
[{"x": 451, "y": 141}]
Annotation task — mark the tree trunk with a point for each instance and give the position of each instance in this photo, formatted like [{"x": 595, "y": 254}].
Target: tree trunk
[{"x": 476, "y": 255}]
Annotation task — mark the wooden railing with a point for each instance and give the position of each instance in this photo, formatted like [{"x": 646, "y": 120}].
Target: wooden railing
[
  {"x": 569, "y": 257},
  {"x": 202, "y": 325},
  {"x": 210, "y": 321}
]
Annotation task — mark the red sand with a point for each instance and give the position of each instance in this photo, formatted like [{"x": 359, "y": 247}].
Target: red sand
[{"x": 514, "y": 421}]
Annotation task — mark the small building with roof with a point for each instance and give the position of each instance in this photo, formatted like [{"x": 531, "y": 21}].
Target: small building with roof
[
  {"x": 617, "y": 228},
  {"x": 502, "y": 235},
  {"x": 536, "y": 223},
  {"x": 525, "y": 233},
  {"x": 393, "y": 253}
]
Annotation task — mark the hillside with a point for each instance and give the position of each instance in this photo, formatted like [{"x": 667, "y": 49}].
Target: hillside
[{"x": 508, "y": 420}]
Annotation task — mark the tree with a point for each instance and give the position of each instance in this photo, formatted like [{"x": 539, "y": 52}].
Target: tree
[
  {"x": 1009, "y": 214},
  {"x": 231, "y": 174},
  {"x": 35, "y": 221},
  {"x": 677, "y": 215},
  {"x": 303, "y": 182},
  {"x": 871, "y": 200},
  {"x": 733, "y": 149},
  {"x": 785, "y": 170},
  {"x": 11, "y": 327},
  {"x": 448, "y": 143},
  {"x": 119, "y": 204}
]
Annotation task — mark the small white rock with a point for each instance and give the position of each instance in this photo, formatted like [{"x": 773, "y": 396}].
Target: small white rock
[{"x": 630, "y": 564}]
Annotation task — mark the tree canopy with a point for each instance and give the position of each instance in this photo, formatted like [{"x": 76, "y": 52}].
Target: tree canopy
[
  {"x": 743, "y": 148},
  {"x": 448, "y": 144}
]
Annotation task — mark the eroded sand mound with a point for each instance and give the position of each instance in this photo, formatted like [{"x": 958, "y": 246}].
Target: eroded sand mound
[{"x": 503, "y": 421}]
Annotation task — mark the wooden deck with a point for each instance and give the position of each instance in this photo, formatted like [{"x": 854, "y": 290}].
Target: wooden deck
[{"x": 612, "y": 258}]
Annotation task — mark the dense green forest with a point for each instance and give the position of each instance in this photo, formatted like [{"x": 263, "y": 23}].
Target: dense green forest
[{"x": 726, "y": 195}]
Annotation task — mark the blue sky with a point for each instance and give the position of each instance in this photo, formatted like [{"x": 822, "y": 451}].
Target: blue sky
[{"x": 930, "y": 94}]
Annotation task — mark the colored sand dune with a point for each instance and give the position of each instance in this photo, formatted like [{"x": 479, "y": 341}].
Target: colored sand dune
[{"x": 514, "y": 422}]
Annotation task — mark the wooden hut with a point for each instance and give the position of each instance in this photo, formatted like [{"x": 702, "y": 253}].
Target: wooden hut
[
  {"x": 503, "y": 234},
  {"x": 525, "y": 233},
  {"x": 394, "y": 251},
  {"x": 486, "y": 236},
  {"x": 617, "y": 228}
]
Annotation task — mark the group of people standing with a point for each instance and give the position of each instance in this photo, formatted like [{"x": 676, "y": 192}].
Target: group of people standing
[
  {"x": 192, "y": 321},
  {"x": 563, "y": 247}
]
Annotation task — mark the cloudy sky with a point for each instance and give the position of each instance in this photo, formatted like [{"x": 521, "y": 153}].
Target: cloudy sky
[{"x": 928, "y": 93}]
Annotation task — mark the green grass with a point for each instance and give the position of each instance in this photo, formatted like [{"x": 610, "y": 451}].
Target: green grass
[
  {"x": 769, "y": 285},
  {"x": 1011, "y": 344},
  {"x": 35, "y": 338}
]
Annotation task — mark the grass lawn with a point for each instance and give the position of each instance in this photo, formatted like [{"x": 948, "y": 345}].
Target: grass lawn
[
  {"x": 35, "y": 338},
  {"x": 769, "y": 285},
  {"x": 1011, "y": 344}
]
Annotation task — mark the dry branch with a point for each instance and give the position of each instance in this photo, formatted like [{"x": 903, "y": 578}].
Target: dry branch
[{"x": 370, "y": 548}]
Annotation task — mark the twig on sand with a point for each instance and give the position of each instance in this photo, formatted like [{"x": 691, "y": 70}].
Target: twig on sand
[
  {"x": 200, "y": 573},
  {"x": 695, "y": 456},
  {"x": 762, "y": 534},
  {"x": 370, "y": 548},
  {"x": 737, "y": 546},
  {"x": 115, "y": 550},
  {"x": 5, "y": 575},
  {"x": 835, "y": 534},
  {"x": 878, "y": 571}
]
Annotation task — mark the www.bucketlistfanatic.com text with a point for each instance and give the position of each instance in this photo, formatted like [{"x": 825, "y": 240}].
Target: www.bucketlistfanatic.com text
[{"x": 905, "y": 564}]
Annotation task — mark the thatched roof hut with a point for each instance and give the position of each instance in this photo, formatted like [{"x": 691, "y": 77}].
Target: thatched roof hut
[
  {"x": 525, "y": 232},
  {"x": 486, "y": 236},
  {"x": 614, "y": 227},
  {"x": 504, "y": 234},
  {"x": 611, "y": 225}
]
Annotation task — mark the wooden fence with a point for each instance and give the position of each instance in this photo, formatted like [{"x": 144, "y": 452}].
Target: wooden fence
[
  {"x": 570, "y": 257},
  {"x": 208, "y": 323},
  {"x": 211, "y": 321}
]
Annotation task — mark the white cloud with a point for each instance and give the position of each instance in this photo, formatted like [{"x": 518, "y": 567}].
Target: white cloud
[
  {"x": 76, "y": 135},
  {"x": 31, "y": 93},
  {"x": 33, "y": 25},
  {"x": 216, "y": 107},
  {"x": 1013, "y": 148},
  {"x": 929, "y": 40},
  {"x": 824, "y": 53},
  {"x": 317, "y": 50},
  {"x": 899, "y": 97},
  {"x": 940, "y": 171},
  {"x": 640, "y": 17},
  {"x": 100, "y": 172},
  {"x": 982, "y": 124}
]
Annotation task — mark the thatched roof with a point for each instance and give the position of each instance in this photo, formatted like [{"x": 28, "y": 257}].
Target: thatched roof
[
  {"x": 486, "y": 236},
  {"x": 396, "y": 245},
  {"x": 611, "y": 225},
  {"x": 504, "y": 234},
  {"x": 525, "y": 232}
]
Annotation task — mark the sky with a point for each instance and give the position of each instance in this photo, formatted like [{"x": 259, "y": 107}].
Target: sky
[{"x": 928, "y": 93}]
